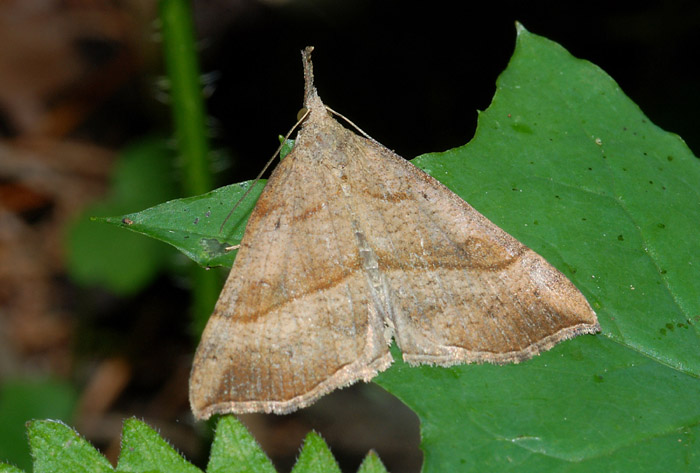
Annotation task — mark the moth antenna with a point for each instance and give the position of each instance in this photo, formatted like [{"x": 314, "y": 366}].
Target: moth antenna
[
  {"x": 255, "y": 181},
  {"x": 350, "y": 122}
]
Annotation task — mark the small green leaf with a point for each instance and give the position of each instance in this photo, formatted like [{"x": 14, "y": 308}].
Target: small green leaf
[
  {"x": 193, "y": 224},
  {"x": 144, "y": 450},
  {"x": 286, "y": 147},
  {"x": 315, "y": 457},
  {"x": 235, "y": 450},
  {"x": 57, "y": 448},
  {"x": 372, "y": 464}
]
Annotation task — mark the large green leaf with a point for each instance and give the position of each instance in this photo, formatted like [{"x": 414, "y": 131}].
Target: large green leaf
[{"x": 569, "y": 165}]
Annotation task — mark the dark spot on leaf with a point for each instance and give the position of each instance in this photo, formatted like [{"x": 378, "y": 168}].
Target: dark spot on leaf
[
  {"x": 670, "y": 326},
  {"x": 598, "y": 378},
  {"x": 669, "y": 157},
  {"x": 620, "y": 238},
  {"x": 535, "y": 222},
  {"x": 196, "y": 221},
  {"x": 663, "y": 271},
  {"x": 662, "y": 331},
  {"x": 661, "y": 225}
]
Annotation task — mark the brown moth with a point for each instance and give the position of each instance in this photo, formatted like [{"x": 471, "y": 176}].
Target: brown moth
[{"x": 350, "y": 245}]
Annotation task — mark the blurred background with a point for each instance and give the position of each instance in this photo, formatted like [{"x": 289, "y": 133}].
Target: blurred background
[{"x": 97, "y": 324}]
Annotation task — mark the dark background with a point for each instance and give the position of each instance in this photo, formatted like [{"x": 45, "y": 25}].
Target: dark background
[
  {"x": 79, "y": 81},
  {"x": 413, "y": 74}
]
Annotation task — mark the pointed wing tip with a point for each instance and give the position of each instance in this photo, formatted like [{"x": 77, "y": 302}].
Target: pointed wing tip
[
  {"x": 346, "y": 376},
  {"x": 454, "y": 355}
]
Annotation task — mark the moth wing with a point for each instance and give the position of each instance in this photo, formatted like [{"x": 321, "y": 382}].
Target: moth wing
[
  {"x": 460, "y": 288},
  {"x": 294, "y": 320}
]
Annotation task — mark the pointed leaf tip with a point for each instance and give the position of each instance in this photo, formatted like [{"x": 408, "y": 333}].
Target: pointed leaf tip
[
  {"x": 57, "y": 447},
  {"x": 234, "y": 445},
  {"x": 315, "y": 456},
  {"x": 143, "y": 449},
  {"x": 520, "y": 29},
  {"x": 372, "y": 464}
]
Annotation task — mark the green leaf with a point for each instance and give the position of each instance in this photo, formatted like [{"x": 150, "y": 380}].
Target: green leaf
[
  {"x": 287, "y": 146},
  {"x": 144, "y": 450},
  {"x": 200, "y": 226},
  {"x": 25, "y": 399},
  {"x": 315, "y": 457},
  {"x": 193, "y": 224},
  {"x": 569, "y": 165},
  {"x": 57, "y": 448},
  {"x": 235, "y": 450},
  {"x": 372, "y": 464},
  {"x": 99, "y": 254}
]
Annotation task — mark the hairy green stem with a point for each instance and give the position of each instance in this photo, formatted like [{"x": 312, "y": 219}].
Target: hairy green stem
[{"x": 179, "y": 49}]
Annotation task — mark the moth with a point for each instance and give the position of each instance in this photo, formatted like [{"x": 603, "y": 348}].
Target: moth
[{"x": 351, "y": 246}]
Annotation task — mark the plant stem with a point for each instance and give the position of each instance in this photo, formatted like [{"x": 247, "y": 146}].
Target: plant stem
[{"x": 179, "y": 49}]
